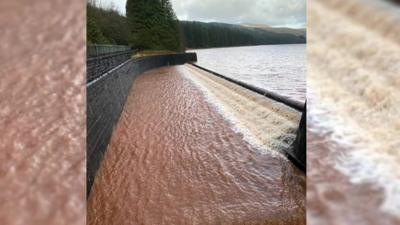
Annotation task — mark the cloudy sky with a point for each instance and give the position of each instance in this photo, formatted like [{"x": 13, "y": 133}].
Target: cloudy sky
[{"x": 287, "y": 13}]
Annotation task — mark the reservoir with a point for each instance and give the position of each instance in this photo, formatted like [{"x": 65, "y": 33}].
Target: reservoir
[{"x": 276, "y": 68}]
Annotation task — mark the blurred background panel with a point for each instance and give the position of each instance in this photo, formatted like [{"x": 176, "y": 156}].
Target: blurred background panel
[
  {"x": 42, "y": 112},
  {"x": 353, "y": 78}
]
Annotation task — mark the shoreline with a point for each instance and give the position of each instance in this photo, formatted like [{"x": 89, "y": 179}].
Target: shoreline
[{"x": 242, "y": 46}]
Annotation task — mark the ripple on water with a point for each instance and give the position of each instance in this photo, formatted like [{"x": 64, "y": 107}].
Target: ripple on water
[{"x": 181, "y": 162}]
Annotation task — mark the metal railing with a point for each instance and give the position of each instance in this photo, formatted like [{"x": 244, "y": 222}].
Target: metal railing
[{"x": 96, "y": 50}]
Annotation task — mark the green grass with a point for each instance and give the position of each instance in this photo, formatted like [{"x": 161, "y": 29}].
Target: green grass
[{"x": 146, "y": 53}]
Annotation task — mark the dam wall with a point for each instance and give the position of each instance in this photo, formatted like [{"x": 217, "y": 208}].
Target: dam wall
[
  {"x": 103, "y": 58},
  {"x": 297, "y": 153},
  {"x": 106, "y": 96}
]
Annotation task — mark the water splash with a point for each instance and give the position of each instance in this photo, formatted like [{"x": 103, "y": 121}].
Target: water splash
[
  {"x": 267, "y": 125},
  {"x": 360, "y": 87}
]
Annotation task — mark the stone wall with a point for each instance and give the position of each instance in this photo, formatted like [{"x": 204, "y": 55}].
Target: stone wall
[
  {"x": 297, "y": 154},
  {"x": 96, "y": 66}
]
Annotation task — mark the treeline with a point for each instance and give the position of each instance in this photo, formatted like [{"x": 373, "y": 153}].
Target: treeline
[
  {"x": 208, "y": 35},
  {"x": 148, "y": 25},
  {"x": 152, "y": 25},
  {"x": 106, "y": 26}
]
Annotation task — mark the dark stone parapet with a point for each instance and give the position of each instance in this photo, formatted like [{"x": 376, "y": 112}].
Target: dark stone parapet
[
  {"x": 97, "y": 66},
  {"x": 297, "y": 153}
]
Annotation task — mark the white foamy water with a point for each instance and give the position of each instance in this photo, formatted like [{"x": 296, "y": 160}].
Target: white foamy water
[
  {"x": 276, "y": 68},
  {"x": 354, "y": 93},
  {"x": 367, "y": 161},
  {"x": 265, "y": 124}
]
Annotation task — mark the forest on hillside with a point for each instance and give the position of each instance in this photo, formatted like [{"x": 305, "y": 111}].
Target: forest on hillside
[
  {"x": 152, "y": 25},
  {"x": 148, "y": 25},
  {"x": 106, "y": 26},
  {"x": 207, "y": 35}
]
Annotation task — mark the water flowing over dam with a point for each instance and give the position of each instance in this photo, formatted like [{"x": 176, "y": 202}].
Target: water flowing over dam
[
  {"x": 191, "y": 148},
  {"x": 266, "y": 124},
  {"x": 353, "y": 121},
  {"x": 275, "y": 68}
]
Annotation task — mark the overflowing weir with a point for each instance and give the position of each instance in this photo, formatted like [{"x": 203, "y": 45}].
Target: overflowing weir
[
  {"x": 353, "y": 123},
  {"x": 175, "y": 159},
  {"x": 190, "y": 148},
  {"x": 265, "y": 123}
]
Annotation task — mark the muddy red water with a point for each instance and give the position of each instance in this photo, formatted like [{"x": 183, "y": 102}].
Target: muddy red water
[
  {"x": 42, "y": 112},
  {"x": 173, "y": 159},
  {"x": 353, "y": 101},
  {"x": 331, "y": 197}
]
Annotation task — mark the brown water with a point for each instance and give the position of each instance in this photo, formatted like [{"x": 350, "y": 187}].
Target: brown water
[
  {"x": 332, "y": 198},
  {"x": 353, "y": 120},
  {"x": 42, "y": 112},
  {"x": 174, "y": 159}
]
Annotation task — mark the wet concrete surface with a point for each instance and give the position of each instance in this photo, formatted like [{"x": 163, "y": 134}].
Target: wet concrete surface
[{"x": 173, "y": 159}]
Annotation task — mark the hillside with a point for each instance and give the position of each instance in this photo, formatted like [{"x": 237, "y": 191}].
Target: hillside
[
  {"x": 294, "y": 31},
  {"x": 107, "y": 26},
  {"x": 148, "y": 25},
  {"x": 208, "y": 35}
]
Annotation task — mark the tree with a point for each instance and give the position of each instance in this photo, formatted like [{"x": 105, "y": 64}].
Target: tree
[
  {"x": 94, "y": 33},
  {"x": 153, "y": 25},
  {"x": 175, "y": 34},
  {"x": 106, "y": 26}
]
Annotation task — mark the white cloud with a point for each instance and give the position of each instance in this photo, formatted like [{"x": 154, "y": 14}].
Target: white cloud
[
  {"x": 270, "y": 12},
  {"x": 291, "y": 13},
  {"x": 117, "y": 4}
]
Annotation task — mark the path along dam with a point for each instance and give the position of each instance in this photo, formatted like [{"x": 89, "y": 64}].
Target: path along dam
[{"x": 192, "y": 148}]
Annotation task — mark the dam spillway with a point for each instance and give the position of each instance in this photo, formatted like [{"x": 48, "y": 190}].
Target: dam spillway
[
  {"x": 176, "y": 158},
  {"x": 353, "y": 122}
]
